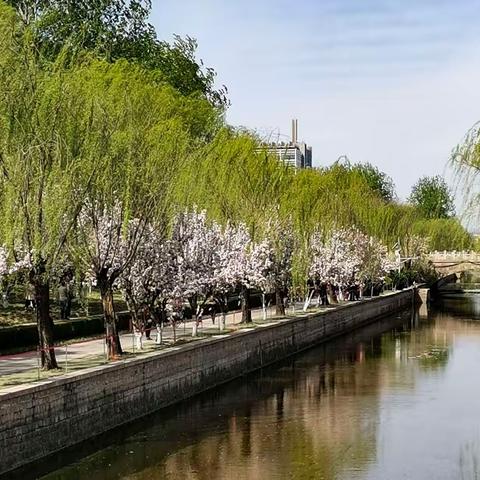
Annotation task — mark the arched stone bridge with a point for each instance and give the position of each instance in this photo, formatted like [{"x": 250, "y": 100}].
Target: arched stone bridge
[{"x": 447, "y": 263}]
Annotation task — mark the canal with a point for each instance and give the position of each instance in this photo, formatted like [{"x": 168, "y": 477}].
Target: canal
[{"x": 396, "y": 400}]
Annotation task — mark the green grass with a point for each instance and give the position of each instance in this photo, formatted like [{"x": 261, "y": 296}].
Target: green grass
[
  {"x": 89, "y": 361},
  {"x": 15, "y": 313},
  {"x": 36, "y": 374}
]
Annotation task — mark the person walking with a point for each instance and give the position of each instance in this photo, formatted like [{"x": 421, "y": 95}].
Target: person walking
[
  {"x": 29, "y": 297},
  {"x": 148, "y": 324},
  {"x": 68, "y": 306},
  {"x": 351, "y": 292},
  {"x": 213, "y": 313},
  {"x": 323, "y": 294},
  {"x": 63, "y": 299}
]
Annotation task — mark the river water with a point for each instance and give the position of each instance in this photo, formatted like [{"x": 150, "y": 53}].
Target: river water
[{"x": 396, "y": 400}]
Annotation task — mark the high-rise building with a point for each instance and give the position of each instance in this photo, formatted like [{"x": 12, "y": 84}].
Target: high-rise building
[{"x": 294, "y": 153}]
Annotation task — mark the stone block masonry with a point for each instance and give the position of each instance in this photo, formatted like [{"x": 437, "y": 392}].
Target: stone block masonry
[{"x": 39, "y": 419}]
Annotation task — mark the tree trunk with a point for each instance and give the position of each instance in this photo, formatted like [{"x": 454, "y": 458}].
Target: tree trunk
[
  {"x": 264, "y": 306},
  {"x": 195, "y": 327},
  {"x": 245, "y": 299},
  {"x": 197, "y": 313},
  {"x": 159, "y": 317},
  {"x": 279, "y": 305},
  {"x": 222, "y": 301},
  {"x": 114, "y": 348},
  {"x": 44, "y": 324},
  {"x": 308, "y": 300}
]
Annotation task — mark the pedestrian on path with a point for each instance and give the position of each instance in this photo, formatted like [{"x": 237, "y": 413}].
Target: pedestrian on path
[
  {"x": 29, "y": 297},
  {"x": 324, "y": 294},
  {"x": 63, "y": 299},
  {"x": 68, "y": 306},
  {"x": 213, "y": 313},
  {"x": 148, "y": 324}
]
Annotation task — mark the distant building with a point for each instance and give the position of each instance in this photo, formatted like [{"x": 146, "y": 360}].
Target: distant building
[{"x": 294, "y": 153}]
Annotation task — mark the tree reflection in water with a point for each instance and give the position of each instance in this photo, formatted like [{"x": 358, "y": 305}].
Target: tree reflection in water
[{"x": 318, "y": 415}]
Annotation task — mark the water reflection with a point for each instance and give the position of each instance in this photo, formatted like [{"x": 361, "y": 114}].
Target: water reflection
[
  {"x": 465, "y": 306},
  {"x": 393, "y": 400},
  {"x": 470, "y": 460}
]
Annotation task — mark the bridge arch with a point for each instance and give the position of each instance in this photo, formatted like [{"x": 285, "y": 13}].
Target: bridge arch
[{"x": 447, "y": 263}]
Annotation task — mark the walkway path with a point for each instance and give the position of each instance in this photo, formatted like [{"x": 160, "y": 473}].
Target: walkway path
[
  {"x": 22, "y": 362},
  {"x": 25, "y": 367}
]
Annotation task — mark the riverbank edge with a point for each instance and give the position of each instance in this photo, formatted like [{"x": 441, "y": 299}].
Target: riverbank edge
[{"x": 40, "y": 419}]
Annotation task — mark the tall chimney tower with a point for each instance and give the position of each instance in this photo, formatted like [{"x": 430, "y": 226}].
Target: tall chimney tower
[{"x": 294, "y": 130}]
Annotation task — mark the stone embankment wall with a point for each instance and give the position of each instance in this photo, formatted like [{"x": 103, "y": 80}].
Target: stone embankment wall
[{"x": 39, "y": 419}]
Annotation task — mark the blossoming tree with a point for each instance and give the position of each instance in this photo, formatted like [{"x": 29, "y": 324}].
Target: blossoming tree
[
  {"x": 194, "y": 247},
  {"x": 106, "y": 245},
  {"x": 147, "y": 282},
  {"x": 348, "y": 255},
  {"x": 227, "y": 266},
  {"x": 240, "y": 266},
  {"x": 280, "y": 240}
]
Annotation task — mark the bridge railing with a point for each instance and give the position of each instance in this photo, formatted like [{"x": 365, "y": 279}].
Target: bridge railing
[{"x": 454, "y": 256}]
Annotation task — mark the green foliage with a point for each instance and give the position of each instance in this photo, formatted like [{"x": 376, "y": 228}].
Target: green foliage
[
  {"x": 378, "y": 181},
  {"x": 76, "y": 128},
  {"x": 419, "y": 271},
  {"x": 332, "y": 197},
  {"x": 118, "y": 29},
  {"x": 432, "y": 197},
  {"x": 444, "y": 234},
  {"x": 131, "y": 136},
  {"x": 465, "y": 160},
  {"x": 179, "y": 67},
  {"x": 476, "y": 243},
  {"x": 112, "y": 27},
  {"x": 36, "y": 174},
  {"x": 234, "y": 180},
  {"x": 95, "y": 131}
]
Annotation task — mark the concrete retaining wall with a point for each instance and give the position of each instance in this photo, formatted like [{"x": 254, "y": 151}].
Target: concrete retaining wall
[{"x": 42, "y": 418}]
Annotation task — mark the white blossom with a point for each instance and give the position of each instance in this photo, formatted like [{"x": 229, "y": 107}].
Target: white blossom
[
  {"x": 147, "y": 282},
  {"x": 109, "y": 240},
  {"x": 348, "y": 255}
]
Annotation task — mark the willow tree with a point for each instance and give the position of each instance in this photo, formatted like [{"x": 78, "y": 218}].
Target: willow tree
[
  {"x": 443, "y": 234},
  {"x": 38, "y": 173},
  {"x": 237, "y": 182},
  {"x": 133, "y": 134},
  {"x": 465, "y": 160}
]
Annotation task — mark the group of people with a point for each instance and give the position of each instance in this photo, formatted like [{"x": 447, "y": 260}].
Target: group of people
[
  {"x": 64, "y": 297},
  {"x": 330, "y": 292},
  {"x": 327, "y": 292},
  {"x": 172, "y": 314}
]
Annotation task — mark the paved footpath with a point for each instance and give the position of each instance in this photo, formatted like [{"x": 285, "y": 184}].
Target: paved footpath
[{"x": 21, "y": 362}]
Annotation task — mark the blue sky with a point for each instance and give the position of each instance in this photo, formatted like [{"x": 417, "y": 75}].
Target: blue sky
[{"x": 395, "y": 83}]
